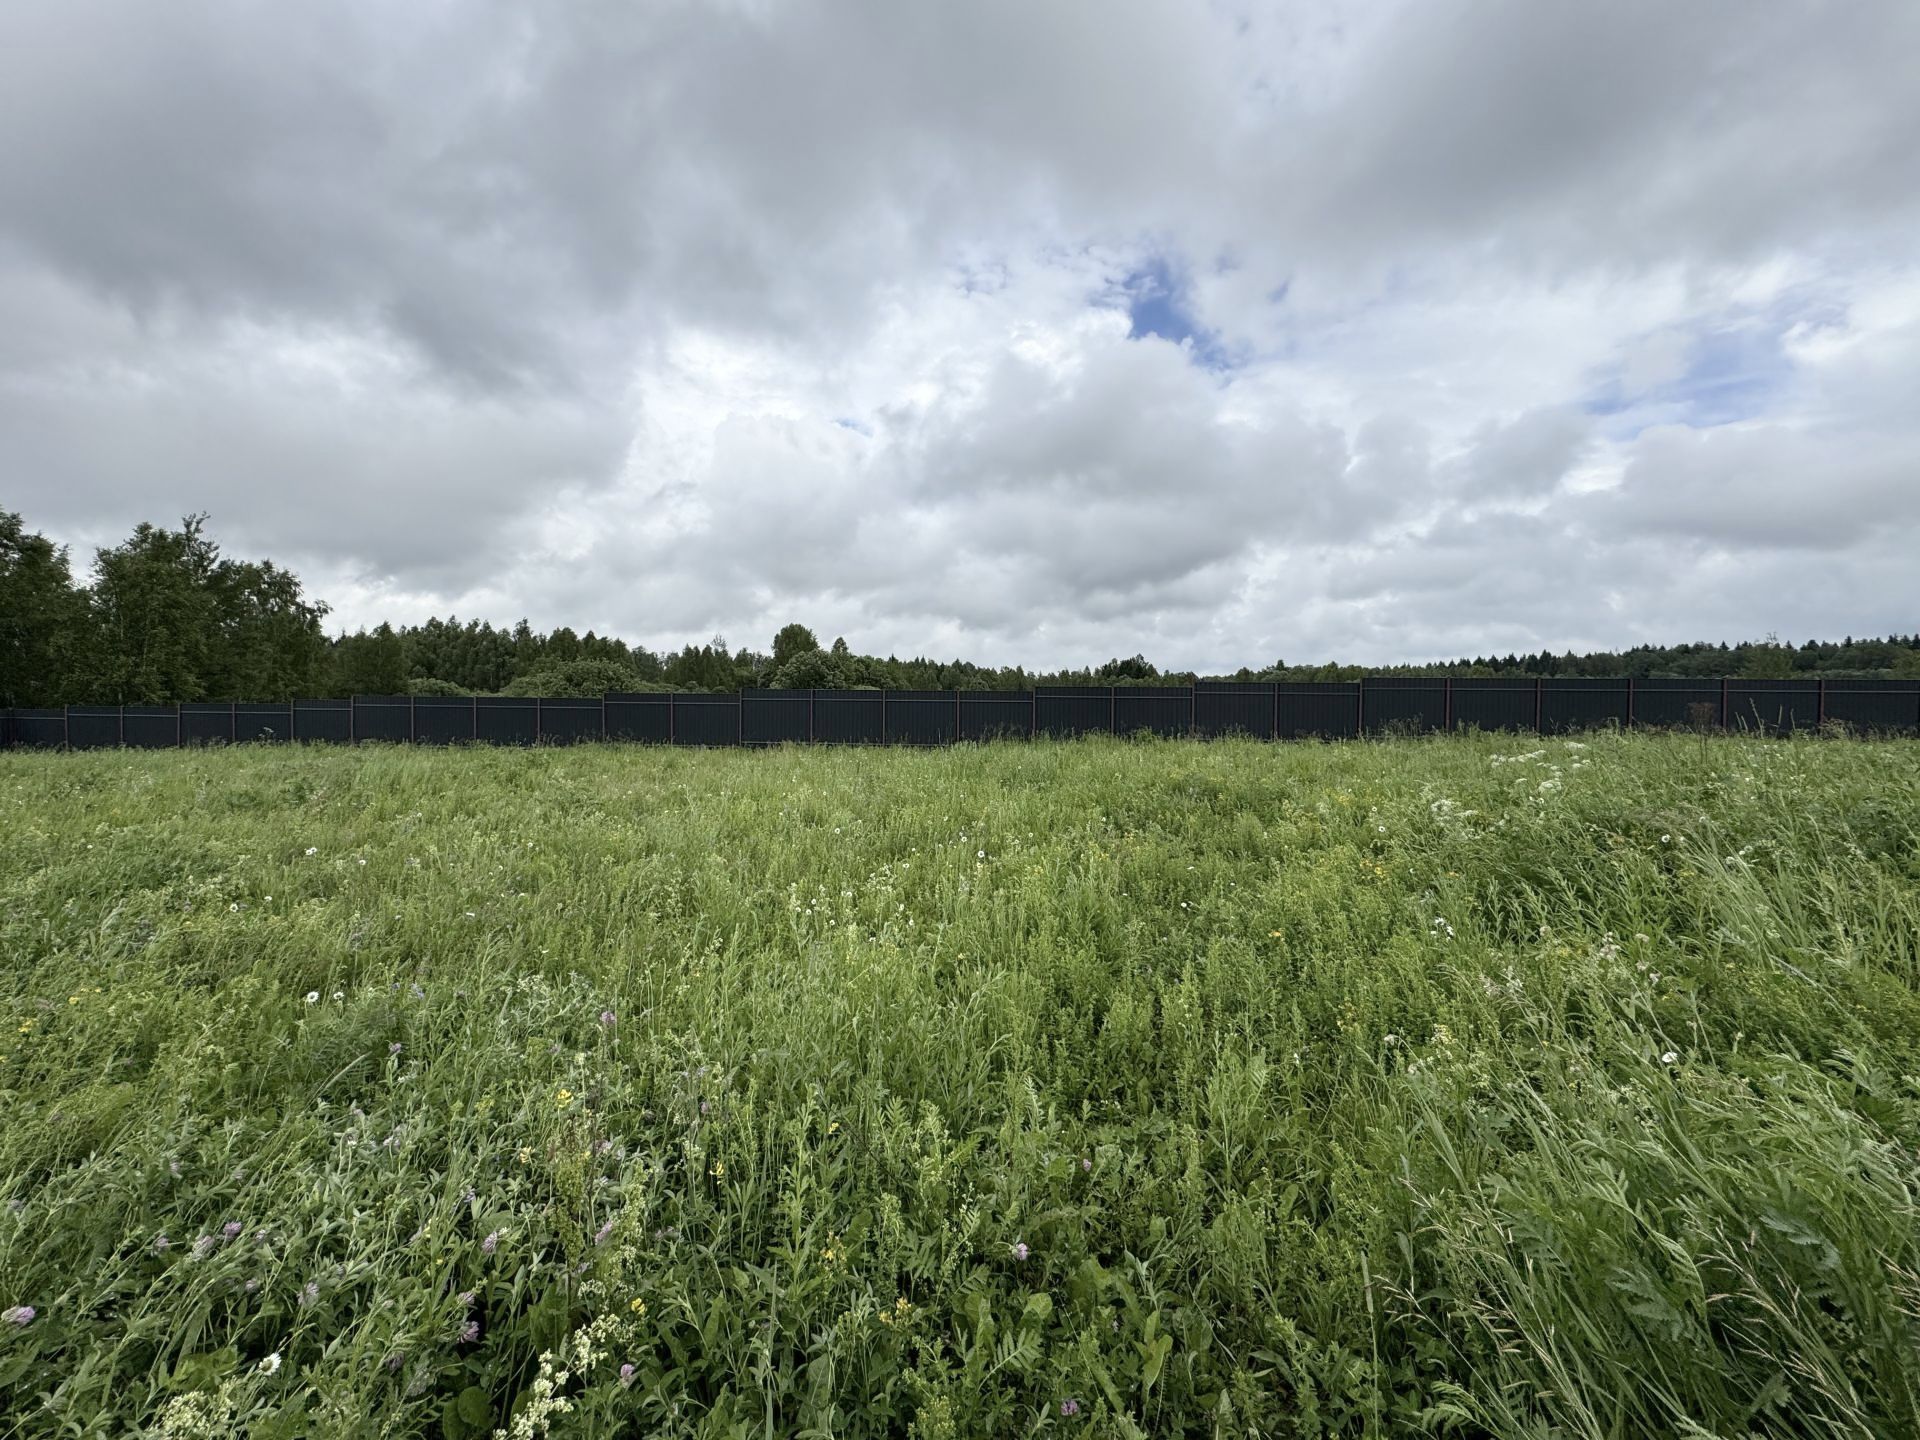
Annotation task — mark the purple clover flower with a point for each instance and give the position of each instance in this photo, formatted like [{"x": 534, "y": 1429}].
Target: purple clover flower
[
  {"x": 19, "y": 1315},
  {"x": 607, "y": 1018},
  {"x": 310, "y": 1293},
  {"x": 394, "y": 1048},
  {"x": 395, "y": 1359},
  {"x": 232, "y": 1229},
  {"x": 469, "y": 1332},
  {"x": 626, "y": 1376},
  {"x": 600, "y": 1235},
  {"x": 467, "y": 1298},
  {"x": 161, "y": 1244},
  {"x": 491, "y": 1243},
  {"x": 1069, "y": 1407},
  {"x": 1020, "y": 1251}
]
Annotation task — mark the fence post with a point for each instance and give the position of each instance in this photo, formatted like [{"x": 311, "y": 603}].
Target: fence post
[
  {"x": 179, "y": 735},
  {"x": 123, "y": 727},
  {"x": 1629, "y": 702},
  {"x": 956, "y": 717},
  {"x": 1359, "y": 707},
  {"x": 413, "y": 726},
  {"x": 1820, "y": 706},
  {"x": 1446, "y": 703},
  {"x": 670, "y": 739},
  {"x": 603, "y": 716},
  {"x": 536, "y": 719},
  {"x": 740, "y": 717},
  {"x": 1275, "y": 733},
  {"x": 1723, "y": 703},
  {"x": 1113, "y": 710},
  {"x": 810, "y": 715},
  {"x": 66, "y": 727},
  {"x": 353, "y": 720},
  {"x": 1193, "y": 711},
  {"x": 233, "y": 722},
  {"x": 473, "y": 702},
  {"x": 1539, "y": 704},
  {"x": 1033, "y": 713},
  {"x": 883, "y": 717}
]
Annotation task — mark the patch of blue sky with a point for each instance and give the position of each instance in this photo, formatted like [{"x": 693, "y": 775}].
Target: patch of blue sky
[
  {"x": 1159, "y": 305},
  {"x": 1731, "y": 373}
]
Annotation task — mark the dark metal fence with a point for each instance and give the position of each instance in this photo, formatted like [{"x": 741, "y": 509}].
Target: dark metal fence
[{"x": 1288, "y": 710}]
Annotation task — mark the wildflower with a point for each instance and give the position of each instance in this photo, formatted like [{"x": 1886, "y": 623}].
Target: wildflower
[
  {"x": 1020, "y": 1251},
  {"x": 1666, "y": 839},
  {"x": 232, "y": 1229},
  {"x": 626, "y": 1377},
  {"x": 310, "y": 1293},
  {"x": 313, "y": 997},
  {"x": 395, "y": 1359},
  {"x": 1669, "y": 1058},
  {"x": 19, "y": 1315},
  {"x": 394, "y": 1048},
  {"x": 271, "y": 1364},
  {"x": 980, "y": 855},
  {"x": 833, "y": 1128},
  {"x": 1069, "y": 1407},
  {"x": 251, "y": 1286},
  {"x": 203, "y": 1247},
  {"x": 469, "y": 1332},
  {"x": 338, "y": 996},
  {"x": 639, "y": 1306},
  {"x": 467, "y": 1297},
  {"x": 491, "y": 1243},
  {"x": 1086, "y": 1165},
  {"x": 706, "y": 1107},
  {"x": 563, "y": 1098},
  {"x": 600, "y": 1235},
  {"x": 719, "y": 1169},
  {"x": 607, "y": 1018},
  {"x": 313, "y": 850}
]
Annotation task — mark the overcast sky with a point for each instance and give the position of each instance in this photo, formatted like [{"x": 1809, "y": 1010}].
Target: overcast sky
[{"x": 1022, "y": 331}]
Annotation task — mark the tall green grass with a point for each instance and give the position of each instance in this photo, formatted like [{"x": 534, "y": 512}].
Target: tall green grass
[{"x": 1468, "y": 1086}]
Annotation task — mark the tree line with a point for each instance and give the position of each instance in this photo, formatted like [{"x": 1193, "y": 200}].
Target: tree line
[{"x": 164, "y": 617}]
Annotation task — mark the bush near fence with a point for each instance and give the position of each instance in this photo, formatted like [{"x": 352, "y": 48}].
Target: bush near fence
[{"x": 1328, "y": 710}]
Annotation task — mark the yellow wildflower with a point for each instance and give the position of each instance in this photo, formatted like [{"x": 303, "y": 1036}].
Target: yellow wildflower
[
  {"x": 639, "y": 1306},
  {"x": 718, "y": 1170}
]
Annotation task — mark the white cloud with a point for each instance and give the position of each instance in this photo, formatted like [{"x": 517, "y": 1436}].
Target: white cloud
[{"x": 1547, "y": 326}]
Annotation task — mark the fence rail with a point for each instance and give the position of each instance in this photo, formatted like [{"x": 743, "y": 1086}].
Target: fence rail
[{"x": 1286, "y": 710}]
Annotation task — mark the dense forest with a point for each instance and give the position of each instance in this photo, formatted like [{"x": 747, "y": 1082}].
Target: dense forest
[{"x": 165, "y": 617}]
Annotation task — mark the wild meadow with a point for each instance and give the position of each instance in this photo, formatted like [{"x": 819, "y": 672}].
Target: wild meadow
[{"x": 1465, "y": 1086}]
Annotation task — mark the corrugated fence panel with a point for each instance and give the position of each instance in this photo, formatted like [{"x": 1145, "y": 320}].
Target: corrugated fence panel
[
  {"x": 1675, "y": 703},
  {"x": 1317, "y": 709},
  {"x": 262, "y": 721},
  {"x": 1234, "y": 708},
  {"x": 566, "y": 720},
  {"x": 93, "y": 727},
  {"x": 40, "y": 725},
  {"x": 323, "y": 720},
  {"x": 986, "y": 714},
  {"x": 206, "y": 722},
  {"x": 442, "y": 719},
  {"x": 920, "y": 717},
  {"x": 1157, "y": 709},
  {"x": 777, "y": 717},
  {"x": 848, "y": 717},
  {"x": 1396, "y": 703},
  {"x": 1575, "y": 702},
  {"x": 1065, "y": 711},
  {"x": 383, "y": 717},
  {"x": 1773, "y": 706},
  {"x": 706, "y": 720},
  {"x": 1874, "y": 704},
  {"x": 1287, "y": 710},
  {"x": 507, "y": 719},
  {"x": 1494, "y": 704},
  {"x": 151, "y": 727},
  {"x": 641, "y": 716}
]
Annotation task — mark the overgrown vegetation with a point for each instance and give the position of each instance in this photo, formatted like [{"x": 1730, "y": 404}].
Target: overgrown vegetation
[
  {"x": 1464, "y": 1086},
  {"x": 167, "y": 619}
]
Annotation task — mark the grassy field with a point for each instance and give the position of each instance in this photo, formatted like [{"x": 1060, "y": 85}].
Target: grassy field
[{"x": 1474, "y": 1085}]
